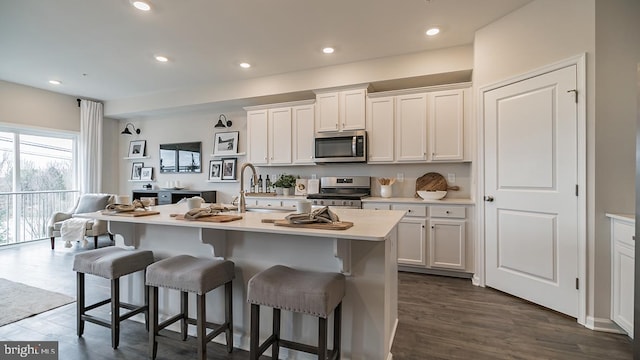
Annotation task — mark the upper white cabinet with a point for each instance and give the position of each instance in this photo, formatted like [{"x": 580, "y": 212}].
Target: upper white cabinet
[
  {"x": 340, "y": 110},
  {"x": 280, "y": 134},
  {"x": 446, "y": 125},
  {"x": 418, "y": 125},
  {"x": 411, "y": 127},
  {"x": 257, "y": 138},
  {"x": 302, "y": 120},
  {"x": 380, "y": 128}
]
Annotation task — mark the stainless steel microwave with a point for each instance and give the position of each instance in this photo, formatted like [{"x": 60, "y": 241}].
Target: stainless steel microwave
[{"x": 341, "y": 147}]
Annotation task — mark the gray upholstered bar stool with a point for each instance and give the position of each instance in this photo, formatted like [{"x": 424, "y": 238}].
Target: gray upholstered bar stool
[
  {"x": 196, "y": 275},
  {"x": 308, "y": 292},
  {"x": 110, "y": 263}
]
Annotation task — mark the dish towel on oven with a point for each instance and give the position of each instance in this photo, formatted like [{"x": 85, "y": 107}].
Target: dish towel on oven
[{"x": 73, "y": 230}]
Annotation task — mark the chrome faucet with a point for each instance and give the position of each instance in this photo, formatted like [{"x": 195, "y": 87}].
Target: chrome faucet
[{"x": 242, "y": 205}]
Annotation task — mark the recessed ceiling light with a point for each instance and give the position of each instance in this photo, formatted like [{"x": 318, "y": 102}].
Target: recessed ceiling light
[
  {"x": 161, "y": 58},
  {"x": 433, "y": 31},
  {"x": 141, "y": 5},
  {"x": 245, "y": 65},
  {"x": 328, "y": 50},
  {"x": 55, "y": 82}
]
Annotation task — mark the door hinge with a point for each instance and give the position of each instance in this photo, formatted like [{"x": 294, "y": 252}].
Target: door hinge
[
  {"x": 577, "y": 284},
  {"x": 576, "y": 189}
]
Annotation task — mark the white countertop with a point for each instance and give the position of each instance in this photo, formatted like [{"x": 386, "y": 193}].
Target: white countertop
[
  {"x": 413, "y": 200},
  {"x": 371, "y": 225},
  {"x": 406, "y": 200},
  {"x": 624, "y": 217}
]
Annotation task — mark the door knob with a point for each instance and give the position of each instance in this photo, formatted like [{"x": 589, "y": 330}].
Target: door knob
[{"x": 488, "y": 198}]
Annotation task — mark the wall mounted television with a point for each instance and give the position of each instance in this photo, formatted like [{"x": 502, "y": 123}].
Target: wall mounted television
[{"x": 181, "y": 157}]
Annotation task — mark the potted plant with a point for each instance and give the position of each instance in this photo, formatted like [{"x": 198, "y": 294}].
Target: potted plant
[{"x": 286, "y": 182}]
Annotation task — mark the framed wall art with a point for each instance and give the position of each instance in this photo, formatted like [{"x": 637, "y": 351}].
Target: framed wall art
[
  {"x": 137, "y": 148},
  {"x": 146, "y": 173},
  {"x": 229, "y": 169},
  {"x": 136, "y": 170},
  {"x": 225, "y": 143},
  {"x": 215, "y": 170}
]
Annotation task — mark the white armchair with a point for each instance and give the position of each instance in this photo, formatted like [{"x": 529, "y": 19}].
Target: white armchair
[{"x": 86, "y": 203}]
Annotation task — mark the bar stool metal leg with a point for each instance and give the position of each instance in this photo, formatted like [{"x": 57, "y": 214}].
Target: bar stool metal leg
[
  {"x": 80, "y": 303},
  {"x": 322, "y": 338},
  {"x": 275, "y": 347},
  {"x": 201, "y": 326},
  {"x": 254, "y": 340},
  {"x": 184, "y": 310},
  {"x": 228, "y": 314},
  {"x": 115, "y": 313},
  {"x": 153, "y": 329},
  {"x": 337, "y": 326}
]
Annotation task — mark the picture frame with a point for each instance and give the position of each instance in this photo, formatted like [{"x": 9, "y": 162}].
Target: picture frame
[
  {"x": 146, "y": 173},
  {"x": 229, "y": 169},
  {"x": 215, "y": 170},
  {"x": 225, "y": 143},
  {"x": 137, "y": 148},
  {"x": 136, "y": 170}
]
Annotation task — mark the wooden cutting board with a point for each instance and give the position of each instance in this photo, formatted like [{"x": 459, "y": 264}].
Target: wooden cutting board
[
  {"x": 342, "y": 225},
  {"x": 433, "y": 182},
  {"x": 213, "y": 218},
  {"x": 130, "y": 213}
]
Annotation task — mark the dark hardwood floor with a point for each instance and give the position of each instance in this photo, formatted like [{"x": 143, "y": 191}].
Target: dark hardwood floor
[{"x": 440, "y": 318}]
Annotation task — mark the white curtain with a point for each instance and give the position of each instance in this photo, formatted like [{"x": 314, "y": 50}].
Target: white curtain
[{"x": 90, "y": 157}]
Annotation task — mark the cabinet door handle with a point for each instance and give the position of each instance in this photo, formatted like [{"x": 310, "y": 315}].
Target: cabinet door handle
[
  {"x": 409, "y": 210},
  {"x": 433, "y": 226},
  {"x": 448, "y": 212}
]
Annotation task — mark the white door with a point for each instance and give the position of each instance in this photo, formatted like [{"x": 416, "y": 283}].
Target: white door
[{"x": 531, "y": 206}]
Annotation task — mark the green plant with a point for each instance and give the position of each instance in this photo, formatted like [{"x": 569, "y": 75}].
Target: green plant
[{"x": 285, "y": 181}]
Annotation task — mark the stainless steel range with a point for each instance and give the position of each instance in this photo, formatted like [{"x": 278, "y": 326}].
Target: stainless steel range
[{"x": 344, "y": 191}]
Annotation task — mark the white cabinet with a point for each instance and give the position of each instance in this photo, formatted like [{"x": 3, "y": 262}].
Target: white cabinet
[
  {"x": 380, "y": 129},
  {"x": 269, "y": 136},
  {"x": 446, "y": 125},
  {"x": 443, "y": 247},
  {"x": 447, "y": 240},
  {"x": 412, "y": 235},
  {"x": 340, "y": 110},
  {"x": 280, "y": 135},
  {"x": 622, "y": 274},
  {"x": 411, "y": 127},
  {"x": 257, "y": 138},
  {"x": 302, "y": 120},
  {"x": 416, "y": 127}
]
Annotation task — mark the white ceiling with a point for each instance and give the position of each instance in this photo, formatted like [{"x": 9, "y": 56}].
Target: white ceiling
[{"x": 104, "y": 49}]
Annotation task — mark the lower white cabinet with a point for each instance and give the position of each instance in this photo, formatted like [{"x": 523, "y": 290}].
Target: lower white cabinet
[
  {"x": 443, "y": 247},
  {"x": 622, "y": 272}
]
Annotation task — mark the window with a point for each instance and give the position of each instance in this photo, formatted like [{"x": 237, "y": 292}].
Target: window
[{"x": 37, "y": 178}]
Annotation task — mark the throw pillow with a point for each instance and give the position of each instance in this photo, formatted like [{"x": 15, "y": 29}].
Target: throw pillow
[{"x": 92, "y": 202}]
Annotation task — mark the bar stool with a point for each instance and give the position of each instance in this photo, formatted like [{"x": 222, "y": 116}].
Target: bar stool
[
  {"x": 196, "y": 275},
  {"x": 110, "y": 263},
  {"x": 308, "y": 292}
]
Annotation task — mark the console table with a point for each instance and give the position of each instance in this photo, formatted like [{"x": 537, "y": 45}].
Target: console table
[{"x": 173, "y": 196}]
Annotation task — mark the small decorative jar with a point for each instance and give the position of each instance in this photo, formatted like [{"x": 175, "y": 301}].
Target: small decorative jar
[{"x": 385, "y": 191}]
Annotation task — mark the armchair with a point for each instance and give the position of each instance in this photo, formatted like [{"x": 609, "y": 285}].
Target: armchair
[{"x": 86, "y": 203}]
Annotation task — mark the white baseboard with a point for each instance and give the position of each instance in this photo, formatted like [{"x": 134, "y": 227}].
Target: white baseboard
[{"x": 603, "y": 324}]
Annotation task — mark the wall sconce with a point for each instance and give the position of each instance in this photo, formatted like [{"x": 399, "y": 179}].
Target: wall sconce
[
  {"x": 221, "y": 124},
  {"x": 128, "y": 132}
]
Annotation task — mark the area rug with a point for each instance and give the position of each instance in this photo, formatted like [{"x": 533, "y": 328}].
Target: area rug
[{"x": 19, "y": 301}]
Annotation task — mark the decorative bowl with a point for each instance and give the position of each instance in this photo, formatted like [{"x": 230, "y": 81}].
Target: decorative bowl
[{"x": 432, "y": 195}]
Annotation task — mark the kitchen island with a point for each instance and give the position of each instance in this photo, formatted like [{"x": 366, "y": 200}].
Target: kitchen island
[{"x": 366, "y": 253}]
